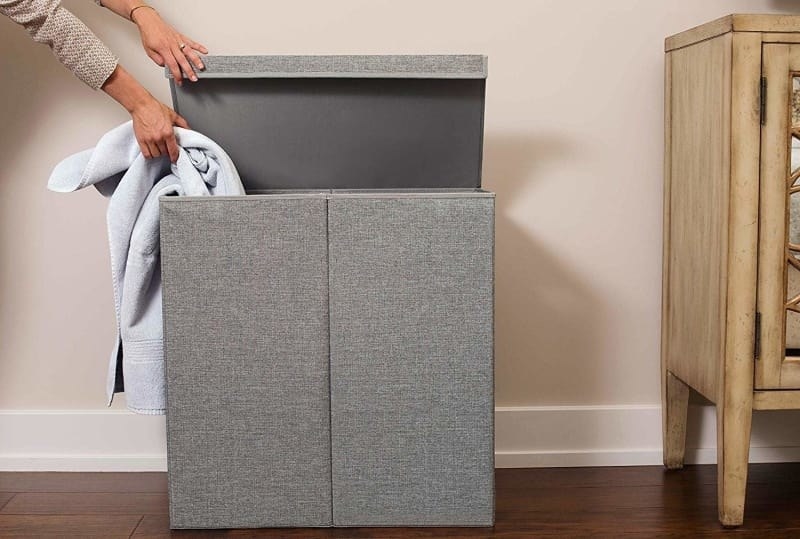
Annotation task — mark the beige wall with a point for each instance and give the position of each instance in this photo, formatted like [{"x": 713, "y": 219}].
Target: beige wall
[{"x": 573, "y": 151}]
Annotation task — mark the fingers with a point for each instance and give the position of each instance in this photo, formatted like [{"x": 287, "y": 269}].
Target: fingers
[
  {"x": 177, "y": 61},
  {"x": 173, "y": 67},
  {"x": 152, "y": 147},
  {"x": 185, "y": 53},
  {"x": 172, "y": 148},
  {"x": 172, "y": 143},
  {"x": 155, "y": 57},
  {"x": 155, "y": 149},
  {"x": 195, "y": 45},
  {"x": 153, "y": 126},
  {"x": 152, "y": 150},
  {"x": 184, "y": 63},
  {"x": 166, "y": 46},
  {"x": 194, "y": 58},
  {"x": 145, "y": 150},
  {"x": 191, "y": 49},
  {"x": 180, "y": 121},
  {"x": 168, "y": 146}
]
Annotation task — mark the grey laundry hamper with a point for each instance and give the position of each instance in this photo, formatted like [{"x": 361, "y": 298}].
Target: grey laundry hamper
[{"x": 329, "y": 351}]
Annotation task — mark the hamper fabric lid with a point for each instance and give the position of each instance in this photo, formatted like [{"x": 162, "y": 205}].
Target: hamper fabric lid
[
  {"x": 343, "y": 122},
  {"x": 464, "y": 66}
]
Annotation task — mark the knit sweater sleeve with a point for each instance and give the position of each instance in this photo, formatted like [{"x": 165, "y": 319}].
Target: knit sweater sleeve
[{"x": 71, "y": 41}]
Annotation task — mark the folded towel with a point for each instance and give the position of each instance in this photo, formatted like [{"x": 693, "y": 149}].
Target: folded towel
[{"x": 133, "y": 184}]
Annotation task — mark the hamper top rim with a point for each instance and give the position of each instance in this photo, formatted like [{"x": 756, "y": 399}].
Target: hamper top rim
[{"x": 431, "y": 66}]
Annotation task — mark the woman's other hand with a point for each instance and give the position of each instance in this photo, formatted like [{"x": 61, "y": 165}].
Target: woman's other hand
[
  {"x": 152, "y": 120},
  {"x": 166, "y": 46},
  {"x": 152, "y": 125}
]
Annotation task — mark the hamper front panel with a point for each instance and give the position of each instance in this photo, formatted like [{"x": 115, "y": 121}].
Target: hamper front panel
[
  {"x": 246, "y": 339},
  {"x": 411, "y": 288}
]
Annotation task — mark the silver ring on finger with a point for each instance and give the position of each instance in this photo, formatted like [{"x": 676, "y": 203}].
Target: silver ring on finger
[{"x": 181, "y": 46}]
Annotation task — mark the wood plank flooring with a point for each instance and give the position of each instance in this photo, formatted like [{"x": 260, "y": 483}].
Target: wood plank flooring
[{"x": 644, "y": 501}]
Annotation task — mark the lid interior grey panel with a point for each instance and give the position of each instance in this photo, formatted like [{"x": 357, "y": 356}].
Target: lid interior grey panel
[{"x": 321, "y": 133}]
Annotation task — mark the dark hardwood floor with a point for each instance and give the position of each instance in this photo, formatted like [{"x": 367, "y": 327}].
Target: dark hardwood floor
[{"x": 643, "y": 501}]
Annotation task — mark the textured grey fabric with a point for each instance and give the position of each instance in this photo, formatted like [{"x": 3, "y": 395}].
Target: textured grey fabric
[
  {"x": 342, "y": 66},
  {"x": 411, "y": 305},
  {"x": 246, "y": 346},
  {"x": 246, "y": 298}
]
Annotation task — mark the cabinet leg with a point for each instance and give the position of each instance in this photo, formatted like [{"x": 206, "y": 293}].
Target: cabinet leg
[
  {"x": 733, "y": 451},
  {"x": 675, "y": 406}
]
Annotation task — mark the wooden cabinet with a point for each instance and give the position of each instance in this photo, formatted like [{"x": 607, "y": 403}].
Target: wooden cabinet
[{"x": 731, "y": 288}]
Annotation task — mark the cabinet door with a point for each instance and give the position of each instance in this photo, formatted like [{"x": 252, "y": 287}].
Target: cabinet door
[
  {"x": 411, "y": 285},
  {"x": 246, "y": 339},
  {"x": 778, "y": 365}
]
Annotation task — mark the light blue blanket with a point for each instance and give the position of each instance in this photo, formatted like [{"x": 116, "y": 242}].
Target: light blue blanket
[{"x": 133, "y": 184}]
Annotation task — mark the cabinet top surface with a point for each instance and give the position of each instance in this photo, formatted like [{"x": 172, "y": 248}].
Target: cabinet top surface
[{"x": 734, "y": 23}]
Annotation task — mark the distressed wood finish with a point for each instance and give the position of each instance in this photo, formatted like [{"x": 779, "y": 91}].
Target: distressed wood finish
[
  {"x": 772, "y": 242},
  {"x": 781, "y": 38},
  {"x": 725, "y": 235},
  {"x": 758, "y": 23},
  {"x": 735, "y": 386},
  {"x": 675, "y": 410},
  {"x": 790, "y": 366},
  {"x": 710, "y": 30},
  {"x": 776, "y": 370},
  {"x": 776, "y": 400},
  {"x": 674, "y": 392},
  {"x": 697, "y": 213}
]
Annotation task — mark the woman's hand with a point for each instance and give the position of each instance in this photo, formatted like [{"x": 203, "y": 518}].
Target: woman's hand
[
  {"x": 152, "y": 120},
  {"x": 166, "y": 46},
  {"x": 152, "y": 125}
]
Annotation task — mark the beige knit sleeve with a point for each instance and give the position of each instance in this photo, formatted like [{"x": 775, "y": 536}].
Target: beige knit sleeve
[{"x": 71, "y": 41}]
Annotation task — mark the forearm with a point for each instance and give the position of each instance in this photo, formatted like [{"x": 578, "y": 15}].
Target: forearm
[
  {"x": 126, "y": 90},
  {"x": 70, "y": 40},
  {"x": 121, "y": 7}
]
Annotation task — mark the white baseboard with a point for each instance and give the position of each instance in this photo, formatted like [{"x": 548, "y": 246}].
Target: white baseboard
[
  {"x": 531, "y": 437},
  {"x": 554, "y": 436},
  {"x": 81, "y": 441}
]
